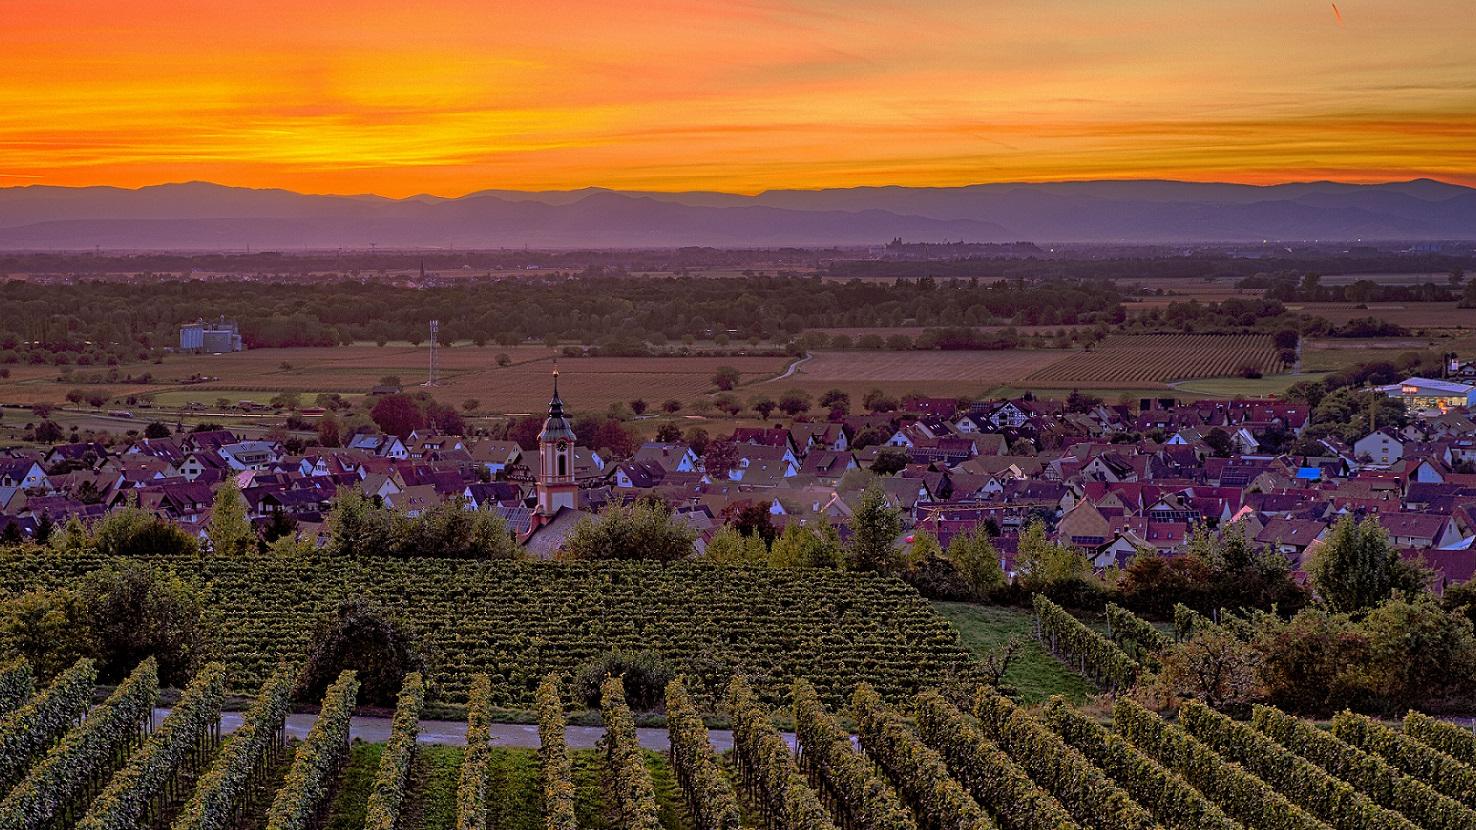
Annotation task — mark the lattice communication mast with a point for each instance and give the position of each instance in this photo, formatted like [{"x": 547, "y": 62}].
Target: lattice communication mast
[{"x": 434, "y": 377}]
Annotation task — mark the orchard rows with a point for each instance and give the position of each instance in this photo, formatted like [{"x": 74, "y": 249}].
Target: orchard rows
[
  {"x": 923, "y": 762},
  {"x": 517, "y": 622}
]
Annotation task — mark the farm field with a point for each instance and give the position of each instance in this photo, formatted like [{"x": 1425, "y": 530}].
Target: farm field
[
  {"x": 949, "y": 374},
  {"x": 977, "y": 761},
  {"x": 466, "y": 372},
  {"x": 1414, "y": 316},
  {"x": 1129, "y": 359},
  {"x": 521, "y": 620}
]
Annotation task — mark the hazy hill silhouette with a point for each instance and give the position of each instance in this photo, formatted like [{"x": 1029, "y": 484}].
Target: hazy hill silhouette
[{"x": 199, "y": 215}]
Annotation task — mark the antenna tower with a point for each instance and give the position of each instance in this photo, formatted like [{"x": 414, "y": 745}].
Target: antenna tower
[{"x": 433, "y": 379}]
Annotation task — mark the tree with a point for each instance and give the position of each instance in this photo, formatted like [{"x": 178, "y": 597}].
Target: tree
[
  {"x": 727, "y": 404},
  {"x": 75, "y": 396},
  {"x": 1214, "y": 667},
  {"x": 503, "y": 360},
  {"x": 46, "y": 627},
  {"x": 1218, "y": 440},
  {"x": 794, "y": 403},
  {"x": 672, "y": 406},
  {"x": 450, "y": 531},
  {"x": 1080, "y": 402},
  {"x": 836, "y": 400},
  {"x": 890, "y": 460},
  {"x": 726, "y": 378},
  {"x": 878, "y": 401},
  {"x": 750, "y": 518},
  {"x": 977, "y": 560},
  {"x": 639, "y": 406},
  {"x": 697, "y": 438},
  {"x": 378, "y": 646},
  {"x": 397, "y": 415},
  {"x": 357, "y": 526},
  {"x": 131, "y": 532},
  {"x": 730, "y": 547},
  {"x": 763, "y": 405},
  {"x": 1418, "y": 653},
  {"x": 1357, "y": 567},
  {"x": 156, "y": 430},
  {"x": 801, "y": 546},
  {"x": 229, "y": 530},
  {"x": 668, "y": 433},
  {"x": 875, "y": 527},
  {"x": 1059, "y": 571},
  {"x": 719, "y": 458},
  {"x": 471, "y": 405},
  {"x": 329, "y": 431},
  {"x": 134, "y": 611},
  {"x": 286, "y": 400},
  {"x": 48, "y": 432},
  {"x": 644, "y": 530}
]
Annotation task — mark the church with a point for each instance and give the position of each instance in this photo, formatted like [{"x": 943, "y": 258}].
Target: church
[{"x": 558, "y": 508}]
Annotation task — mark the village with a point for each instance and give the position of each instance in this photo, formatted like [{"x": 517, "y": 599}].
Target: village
[{"x": 1111, "y": 480}]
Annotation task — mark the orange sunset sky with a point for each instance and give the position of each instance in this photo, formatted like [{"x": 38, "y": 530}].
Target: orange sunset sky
[{"x": 452, "y": 97}]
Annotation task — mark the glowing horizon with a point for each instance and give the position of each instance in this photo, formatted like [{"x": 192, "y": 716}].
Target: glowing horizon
[{"x": 454, "y": 97}]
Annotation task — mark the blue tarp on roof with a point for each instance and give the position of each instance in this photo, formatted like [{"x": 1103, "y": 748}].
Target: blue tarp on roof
[{"x": 1312, "y": 473}]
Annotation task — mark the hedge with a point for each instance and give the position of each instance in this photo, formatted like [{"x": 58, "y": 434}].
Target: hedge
[
  {"x": 1237, "y": 792},
  {"x": 86, "y": 756},
  {"x": 387, "y": 796},
  {"x": 934, "y": 794},
  {"x": 1439, "y": 770},
  {"x": 223, "y": 793},
  {"x": 1171, "y": 799},
  {"x": 710, "y": 797},
  {"x": 145, "y": 785},
  {"x": 995, "y": 781},
  {"x": 320, "y": 756},
  {"x": 1089, "y": 794},
  {"x": 1332, "y": 800}
]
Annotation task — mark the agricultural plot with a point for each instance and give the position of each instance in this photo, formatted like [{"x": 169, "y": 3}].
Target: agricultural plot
[
  {"x": 975, "y": 761},
  {"x": 1141, "y": 360},
  {"x": 465, "y": 372},
  {"x": 1413, "y": 316},
  {"x": 518, "y": 621}
]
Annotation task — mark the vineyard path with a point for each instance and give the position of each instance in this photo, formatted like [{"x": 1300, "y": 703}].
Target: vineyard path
[{"x": 453, "y": 733}]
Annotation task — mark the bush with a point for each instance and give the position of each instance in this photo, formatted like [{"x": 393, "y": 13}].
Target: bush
[
  {"x": 134, "y": 612},
  {"x": 365, "y": 639},
  {"x": 644, "y": 673}
]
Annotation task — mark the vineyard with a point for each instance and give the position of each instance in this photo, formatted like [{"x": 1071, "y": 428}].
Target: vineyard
[
  {"x": 517, "y": 622},
  {"x": 918, "y": 762},
  {"x": 1133, "y": 359}
]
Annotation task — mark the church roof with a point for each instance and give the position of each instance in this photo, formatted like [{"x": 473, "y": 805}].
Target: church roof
[{"x": 556, "y": 427}]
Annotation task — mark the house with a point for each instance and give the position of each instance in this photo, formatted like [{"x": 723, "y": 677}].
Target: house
[
  {"x": 23, "y": 473},
  {"x": 496, "y": 456},
  {"x": 250, "y": 455},
  {"x": 1291, "y": 537},
  {"x": 828, "y": 466},
  {"x": 1419, "y": 530},
  {"x": 383, "y": 446},
  {"x": 673, "y": 456},
  {"x": 1382, "y": 446}
]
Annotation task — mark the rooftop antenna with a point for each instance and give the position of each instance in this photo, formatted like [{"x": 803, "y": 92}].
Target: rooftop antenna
[{"x": 435, "y": 362}]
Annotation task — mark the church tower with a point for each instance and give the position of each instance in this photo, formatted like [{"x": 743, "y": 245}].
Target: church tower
[{"x": 556, "y": 485}]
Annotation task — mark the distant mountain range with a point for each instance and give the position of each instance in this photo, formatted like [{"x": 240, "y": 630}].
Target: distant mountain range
[{"x": 200, "y": 215}]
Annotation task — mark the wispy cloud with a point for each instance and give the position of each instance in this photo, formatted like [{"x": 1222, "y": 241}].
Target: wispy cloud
[{"x": 456, "y": 96}]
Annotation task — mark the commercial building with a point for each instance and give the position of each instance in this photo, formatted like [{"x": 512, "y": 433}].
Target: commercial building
[
  {"x": 1421, "y": 394},
  {"x": 210, "y": 338}
]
